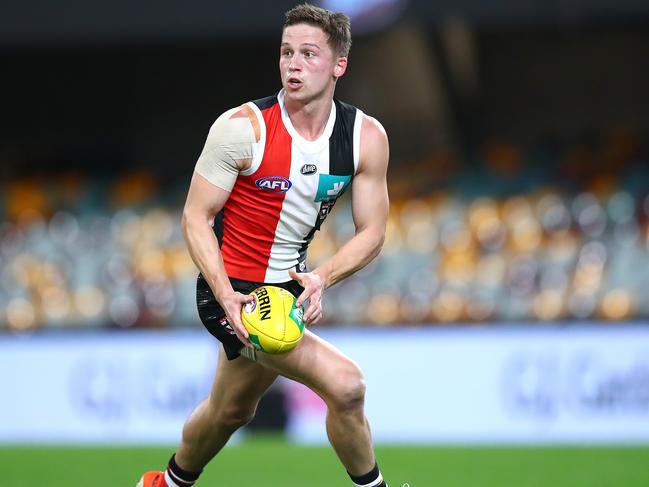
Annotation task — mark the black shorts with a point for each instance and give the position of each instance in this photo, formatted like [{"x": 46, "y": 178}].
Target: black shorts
[{"x": 213, "y": 316}]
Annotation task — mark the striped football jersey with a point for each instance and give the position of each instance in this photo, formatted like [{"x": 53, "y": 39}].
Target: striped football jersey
[{"x": 278, "y": 204}]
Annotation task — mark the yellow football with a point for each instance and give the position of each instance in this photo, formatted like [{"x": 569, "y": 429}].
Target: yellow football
[{"x": 274, "y": 322}]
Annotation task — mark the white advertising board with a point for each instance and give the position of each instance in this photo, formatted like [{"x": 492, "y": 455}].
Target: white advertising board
[
  {"x": 496, "y": 385},
  {"x": 105, "y": 388},
  {"x": 532, "y": 384}
]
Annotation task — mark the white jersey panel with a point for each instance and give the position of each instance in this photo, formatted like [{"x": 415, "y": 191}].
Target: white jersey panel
[{"x": 299, "y": 211}]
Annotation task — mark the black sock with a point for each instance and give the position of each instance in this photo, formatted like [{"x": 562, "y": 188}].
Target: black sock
[
  {"x": 371, "y": 479},
  {"x": 182, "y": 478}
]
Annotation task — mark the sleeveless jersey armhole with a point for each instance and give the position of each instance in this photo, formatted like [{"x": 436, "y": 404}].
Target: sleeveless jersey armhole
[
  {"x": 358, "y": 123},
  {"x": 259, "y": 153}
]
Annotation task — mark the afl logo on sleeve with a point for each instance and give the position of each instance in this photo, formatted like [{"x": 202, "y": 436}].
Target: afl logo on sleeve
[{"x": 274, "y": 184}]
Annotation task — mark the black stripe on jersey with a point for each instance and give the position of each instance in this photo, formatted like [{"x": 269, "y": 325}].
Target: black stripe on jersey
[
  {"x": 341, "y": 163},
  {"x": 341, "y": 142},
  {"x": 264, "y": 103},
  {"x": 301, "y": 258}
]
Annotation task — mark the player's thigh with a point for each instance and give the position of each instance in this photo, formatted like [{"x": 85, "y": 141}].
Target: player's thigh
[
  {"x": 322, "y": 367},
  {"x": 240, "y": 383}
]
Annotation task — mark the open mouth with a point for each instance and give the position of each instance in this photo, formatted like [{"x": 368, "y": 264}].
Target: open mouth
[{"x": 294, "y": 83}]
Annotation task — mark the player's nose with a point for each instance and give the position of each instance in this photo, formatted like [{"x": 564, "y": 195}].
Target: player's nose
[{"x": 294, "y": 64}]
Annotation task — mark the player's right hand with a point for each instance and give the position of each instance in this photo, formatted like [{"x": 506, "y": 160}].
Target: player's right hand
[{"x": 232, "y": 304}]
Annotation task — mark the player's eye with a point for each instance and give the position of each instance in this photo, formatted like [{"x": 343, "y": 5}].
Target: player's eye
[
  {"x": 309, "y": 54},
  {"x": 286, "y": 53}
]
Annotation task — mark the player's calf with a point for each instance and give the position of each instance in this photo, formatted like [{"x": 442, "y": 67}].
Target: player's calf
[{"x": 208, "y": 430}]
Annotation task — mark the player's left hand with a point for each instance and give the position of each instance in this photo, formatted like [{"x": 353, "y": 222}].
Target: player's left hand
[{"x": 313, "y": 286}]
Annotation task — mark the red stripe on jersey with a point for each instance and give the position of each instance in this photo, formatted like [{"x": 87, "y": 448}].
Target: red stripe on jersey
[{"x": 251, "y": 213}]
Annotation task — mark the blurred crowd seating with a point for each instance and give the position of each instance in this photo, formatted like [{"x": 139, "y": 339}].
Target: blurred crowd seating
[{"x": 508, "y": 237}]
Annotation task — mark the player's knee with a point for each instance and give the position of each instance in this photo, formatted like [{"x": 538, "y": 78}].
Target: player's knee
[
  {"x": 349, "y": 391},
  {"x": 234, "y": 416}
]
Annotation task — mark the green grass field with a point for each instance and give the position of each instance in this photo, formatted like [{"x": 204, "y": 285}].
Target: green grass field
[{"x": 272, "y": 462}]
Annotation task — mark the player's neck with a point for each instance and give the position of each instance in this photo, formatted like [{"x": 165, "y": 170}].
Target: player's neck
[{"x": 309, "y": 119}]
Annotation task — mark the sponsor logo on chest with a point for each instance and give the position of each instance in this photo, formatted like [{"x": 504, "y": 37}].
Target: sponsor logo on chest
[
  {"x": 274, "y": 184},
  {"x": 308, "y": 169},
  {"x": 330, "y": 187}
]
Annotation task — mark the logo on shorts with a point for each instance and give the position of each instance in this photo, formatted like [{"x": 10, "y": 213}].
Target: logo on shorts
[
  {"x": 226, "y": 325},
  {"x": 308, "y": 169},
  {"x": 274, "y": 184}
]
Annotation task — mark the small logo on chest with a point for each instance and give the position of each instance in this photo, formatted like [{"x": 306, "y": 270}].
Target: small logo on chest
[{"x": 308, "y": 169}]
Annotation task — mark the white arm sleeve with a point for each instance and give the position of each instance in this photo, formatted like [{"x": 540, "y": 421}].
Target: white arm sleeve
[{"x": 230, "y": 140}]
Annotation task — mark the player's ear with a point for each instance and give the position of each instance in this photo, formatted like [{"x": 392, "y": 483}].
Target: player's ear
[{"x": 340, "y": 67}]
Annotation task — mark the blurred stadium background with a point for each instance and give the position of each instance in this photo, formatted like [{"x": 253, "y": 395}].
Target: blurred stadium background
[{"x": 509, "y": 305}]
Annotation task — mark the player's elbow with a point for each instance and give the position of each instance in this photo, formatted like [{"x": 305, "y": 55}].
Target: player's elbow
[
  {"x": 186, "y": 222},
  {"x": 380, "y": 240},
  {"x": 374, "y": 238},
  {"x": 193, "y": 217},
  {"x": 377, "y": 239},
  {"x": 191, "y": 220}
]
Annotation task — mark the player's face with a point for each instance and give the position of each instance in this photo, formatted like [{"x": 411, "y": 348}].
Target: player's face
[{"x": 307, "y": 64}]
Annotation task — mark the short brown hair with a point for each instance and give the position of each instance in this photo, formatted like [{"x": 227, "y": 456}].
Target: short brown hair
[{"x": 335, "y": 25}]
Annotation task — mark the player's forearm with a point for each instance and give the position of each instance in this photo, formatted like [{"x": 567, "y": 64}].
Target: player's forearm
[
  {"x": 204, "y": 250},
  {"x": 353, "y": 256}
]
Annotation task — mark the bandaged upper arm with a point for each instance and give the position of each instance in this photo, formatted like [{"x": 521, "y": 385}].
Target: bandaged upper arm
[{"x": 230, "y": 141}]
